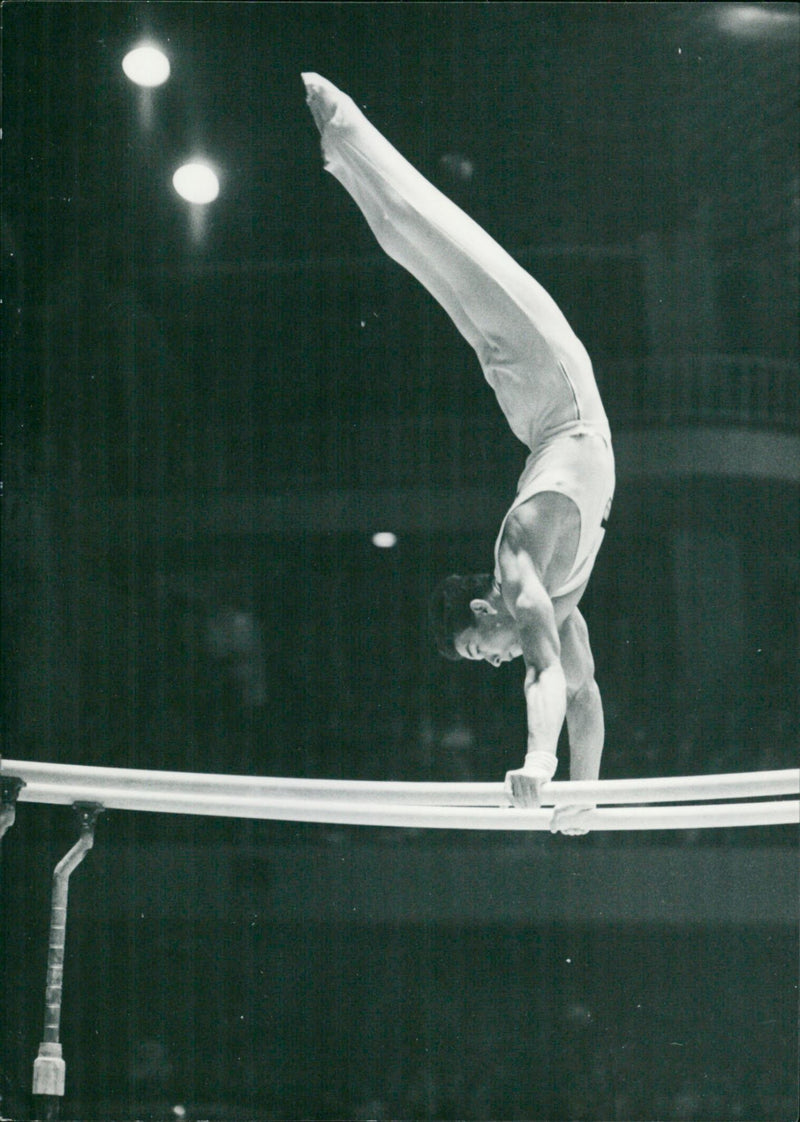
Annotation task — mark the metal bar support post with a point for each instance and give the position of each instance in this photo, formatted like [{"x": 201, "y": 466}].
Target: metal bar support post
[{"x": 49, "y": 1069}]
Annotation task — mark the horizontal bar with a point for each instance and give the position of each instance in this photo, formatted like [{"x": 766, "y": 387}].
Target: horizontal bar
[
  {"x": 352, "y": 813},
  {"x": 359, "y": 813},
  {"x": 58, "y": 783}
]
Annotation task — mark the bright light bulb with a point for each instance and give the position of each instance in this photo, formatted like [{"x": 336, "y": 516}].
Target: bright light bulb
[
  {"x": 384, "y": 539},
  {"x": 146, "y": 66},
  {"x": 197, "y": 183},
  {"x": 755, "y": 19}
]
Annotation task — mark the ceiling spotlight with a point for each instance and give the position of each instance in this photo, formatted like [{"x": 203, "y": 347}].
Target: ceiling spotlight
[
  {"x": 384, "y": 539},
  {"x": 196, "y": 182},
  {"x": 756, "y": 19},
  {"x": 146, "y": 66}
]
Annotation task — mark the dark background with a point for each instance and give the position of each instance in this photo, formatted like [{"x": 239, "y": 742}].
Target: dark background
[{"x": 205, "y": 419}]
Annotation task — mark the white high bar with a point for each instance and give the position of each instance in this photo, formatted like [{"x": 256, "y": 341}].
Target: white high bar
[
  {"x": 347, "y": 802},
  {"x": 60, "y": 779}
]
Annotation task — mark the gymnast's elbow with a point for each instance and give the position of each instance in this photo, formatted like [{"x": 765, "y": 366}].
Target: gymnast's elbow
[
  {"x": 538, "y": 633},
  {"x": 585, "y": 695}
]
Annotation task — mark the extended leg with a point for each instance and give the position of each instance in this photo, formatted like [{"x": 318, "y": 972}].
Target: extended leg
[{"x": 494, "y": 303}]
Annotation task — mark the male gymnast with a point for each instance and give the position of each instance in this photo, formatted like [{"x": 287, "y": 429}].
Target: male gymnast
[{"x": 543, "y": 379}]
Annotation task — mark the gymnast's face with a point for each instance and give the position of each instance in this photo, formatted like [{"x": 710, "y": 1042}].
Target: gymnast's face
[{"x": 492, "y": 638}]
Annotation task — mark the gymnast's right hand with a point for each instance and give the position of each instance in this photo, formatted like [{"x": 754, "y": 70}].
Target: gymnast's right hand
[
  {"x": 523, "y": 788},
  {"x": 524, "y": 785}
]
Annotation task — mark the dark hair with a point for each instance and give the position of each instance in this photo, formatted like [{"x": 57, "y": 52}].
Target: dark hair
[{"x": 449, "y": 612}]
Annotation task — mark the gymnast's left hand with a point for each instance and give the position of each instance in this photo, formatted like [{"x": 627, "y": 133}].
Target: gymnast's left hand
[{"x": 572, "y": 820}]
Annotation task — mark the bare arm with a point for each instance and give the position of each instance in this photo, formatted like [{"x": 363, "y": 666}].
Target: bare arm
[
  {"x": 545, "y": 682},
  {"x": 559, "y": 678},
  {"x": 584, "y": 707},
  {"x": 584, "y": 720}
]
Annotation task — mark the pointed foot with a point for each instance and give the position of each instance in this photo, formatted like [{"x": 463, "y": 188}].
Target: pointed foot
[{"x": 322, "y": 97}]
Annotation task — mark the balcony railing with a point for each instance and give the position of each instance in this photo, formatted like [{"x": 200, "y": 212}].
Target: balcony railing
[
  {"x": 705, "y": 389},
  {"x": 391, "y": 451},
  {"x": 456, "y": 450}
]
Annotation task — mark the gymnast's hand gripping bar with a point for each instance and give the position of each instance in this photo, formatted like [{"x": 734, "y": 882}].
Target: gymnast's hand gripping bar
[{"x": 10, "y": 787}]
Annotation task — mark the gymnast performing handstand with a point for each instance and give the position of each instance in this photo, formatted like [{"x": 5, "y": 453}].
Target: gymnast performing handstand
[{"x": 544, "y": 383}]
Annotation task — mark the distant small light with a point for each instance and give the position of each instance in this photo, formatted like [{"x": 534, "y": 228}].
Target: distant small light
[
  {"x": 197, "y": 183},
  {"x": 146, "y": 66},
  {"x": 385, "y": 539}
]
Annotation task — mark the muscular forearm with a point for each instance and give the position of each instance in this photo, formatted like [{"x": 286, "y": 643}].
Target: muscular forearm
[
  {"x": 586, "y": 732},
  {"x": 546, "y": 700}
]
